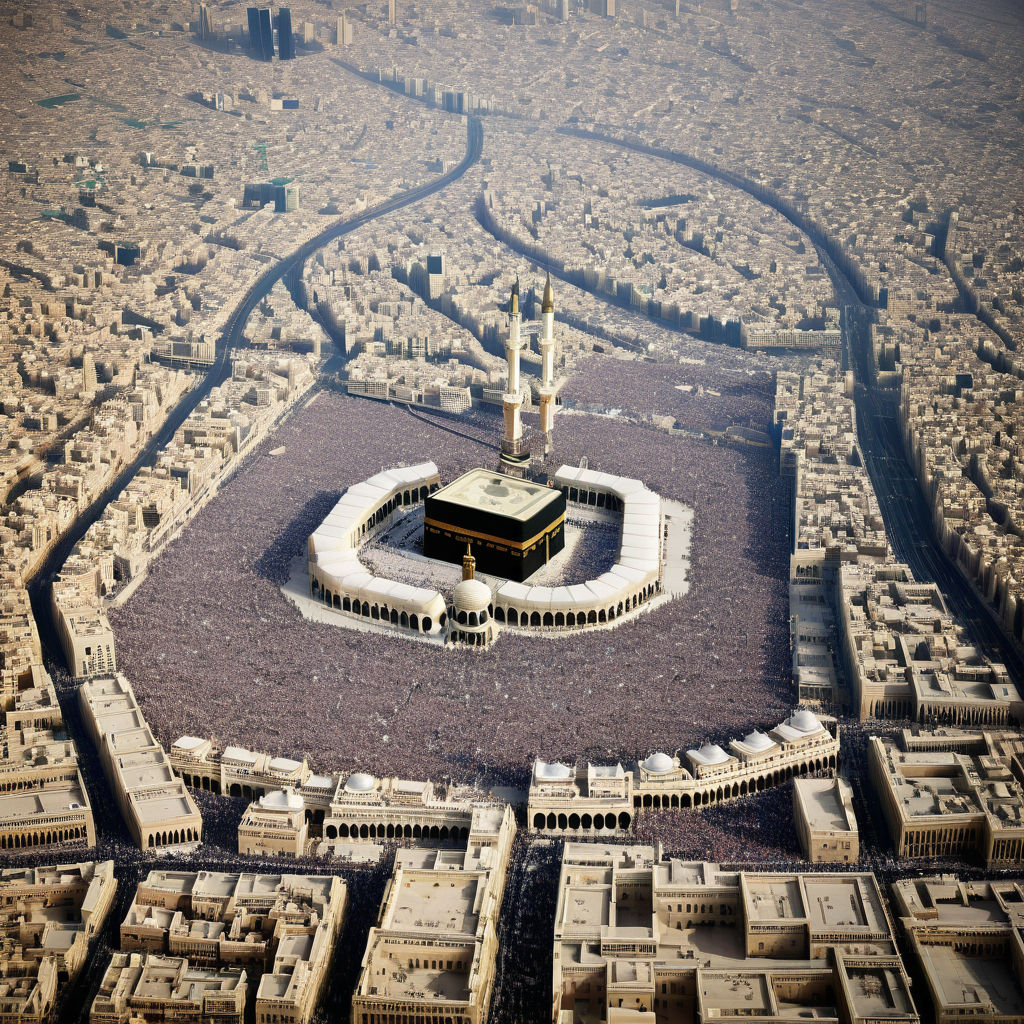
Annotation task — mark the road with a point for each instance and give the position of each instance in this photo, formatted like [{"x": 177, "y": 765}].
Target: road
[
  {"x": 232, "y": 336},
  {"x": 907, "y": 517}
]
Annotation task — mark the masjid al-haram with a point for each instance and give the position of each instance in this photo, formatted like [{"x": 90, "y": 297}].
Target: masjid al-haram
[{"x": 383, "y": 641}]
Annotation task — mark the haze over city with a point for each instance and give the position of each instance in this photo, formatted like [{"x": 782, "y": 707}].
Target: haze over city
[{"x": 512, "y": 512}]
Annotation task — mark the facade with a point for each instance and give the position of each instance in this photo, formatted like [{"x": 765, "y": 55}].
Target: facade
[
  {"x": 939, "y": 802},
  {"x": 159, "y": 988},
  {"x": 280, "y": 929},
  {"x": 825, "y": 823},
  {"x": 431, "y": 955},
  {"x": 639, "y": 938},
  {"x": 49, "y": 916},
  {"x": 43, "y": 800},
  {"x": 155, "y": 804},
  {"x": 235, "y": 771},
  {"x": 966, "y": 939},
  {"x": 514, "y": 526},
  {"x": 274, "y": 824},
  {"x": 295, "y": 811},
  {"x": 365, "y": 807},
  {"x": 340, "y": 580},
  {"x": 603, "y": 799}
]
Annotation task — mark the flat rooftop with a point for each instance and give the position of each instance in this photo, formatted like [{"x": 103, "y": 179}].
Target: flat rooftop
[
  {"x": 821, "y": 804},
  {"x": 485, "y": 490},
  {"x": 442, "y": 902},
  {"x": 395, "y": 979},
  {"x": 972, "y": 981},
  {"x": 843, "y": 902}
]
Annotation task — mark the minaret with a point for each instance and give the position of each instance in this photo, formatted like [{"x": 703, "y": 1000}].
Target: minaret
[
  {"x": 515, "y": 452},
  {"x": 547, "y": 388}
]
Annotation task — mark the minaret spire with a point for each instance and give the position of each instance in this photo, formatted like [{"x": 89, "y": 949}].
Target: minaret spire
[
  {"x": 515, "y": 453},
  {"x": 547, "y": 388}
]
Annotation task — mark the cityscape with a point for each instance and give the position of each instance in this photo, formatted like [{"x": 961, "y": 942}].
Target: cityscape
[{"x": 513, "y": 512}]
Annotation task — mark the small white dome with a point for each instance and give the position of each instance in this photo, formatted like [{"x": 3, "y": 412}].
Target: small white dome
[
  {"x": 554, "y": 770},
  {"x": 712, "y": 753},
  {"x": 283, "y": 799},
  {"x": 757, "y": 741},
  {"x": 471, "y": 596},
  {"x": 359, "y": 782},
  {"x": 659, "y": 763},
  {"x": 804, "y": 721}
]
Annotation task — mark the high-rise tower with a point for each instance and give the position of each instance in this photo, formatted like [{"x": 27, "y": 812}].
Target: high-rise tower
[{"x": 515, "y": 451}]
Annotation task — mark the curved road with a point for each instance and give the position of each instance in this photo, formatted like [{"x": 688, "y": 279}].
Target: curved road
[
  {"x": 907, "y": 517},
  {"x": 231, "y": 337}
]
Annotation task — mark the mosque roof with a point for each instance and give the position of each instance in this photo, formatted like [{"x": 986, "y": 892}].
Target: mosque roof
[
  {"x": 360, "y": 782},
  {"x": 658, "y": 762},
  {"x": 710, "y": 753}
]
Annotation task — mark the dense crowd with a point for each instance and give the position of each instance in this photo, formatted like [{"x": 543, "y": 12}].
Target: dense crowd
[
  {"x": 213, "y": 647},
  {"x": 698, "y": 397}
]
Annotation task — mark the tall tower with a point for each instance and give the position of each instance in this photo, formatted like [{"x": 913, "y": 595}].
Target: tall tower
[
  {"x": 547, "y": 389},
  {"x": 515, "y": 452}
]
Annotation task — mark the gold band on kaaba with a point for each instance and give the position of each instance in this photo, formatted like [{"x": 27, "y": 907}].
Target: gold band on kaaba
[{"x": 460, "y": 531}]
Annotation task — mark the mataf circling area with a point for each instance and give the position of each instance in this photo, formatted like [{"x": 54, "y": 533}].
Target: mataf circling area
[{"x": 214, "y": 648}]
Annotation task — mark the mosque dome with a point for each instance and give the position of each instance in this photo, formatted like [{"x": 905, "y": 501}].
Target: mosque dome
[
  {"x": 283, "y": 799},
  {"x": 757, "y": 741},
  {"x": 712, "y": 753},
  {"x": 554, "y": 770},
  {"x": 804, "y": 721},
  {"x": 659, "y": 763},
  {"x": 359, "y": 782},
  {"x": 471, "y": 596}
]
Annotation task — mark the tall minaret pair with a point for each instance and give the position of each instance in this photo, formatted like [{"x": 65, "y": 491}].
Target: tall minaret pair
[{"x": 515, "y": 452}]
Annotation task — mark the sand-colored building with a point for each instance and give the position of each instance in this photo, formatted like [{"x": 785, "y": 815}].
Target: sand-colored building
[
  {"x": 431, "y": 956},
  {"x": 157, "y": 808},
  {"x": 825, "y": 823},
  {"x": 48, "y": 919},
  {"x": 939, "y": 802},
  {"x": 43, "y": 800},
  {"x": 640, "y": 939},
  {"x": 906, "y": 657},
  {"x": 281, "y": 929},
  {"x": 154, "y": 987},
  {"x": 365, "y": 807},
  {"x": 603, "y": 799},
  {"x": 966, "y": 939},
  {"x": 274, "y": 824}
]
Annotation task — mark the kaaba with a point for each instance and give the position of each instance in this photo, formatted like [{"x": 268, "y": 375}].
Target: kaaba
[{"x": 513, "y": 526}]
